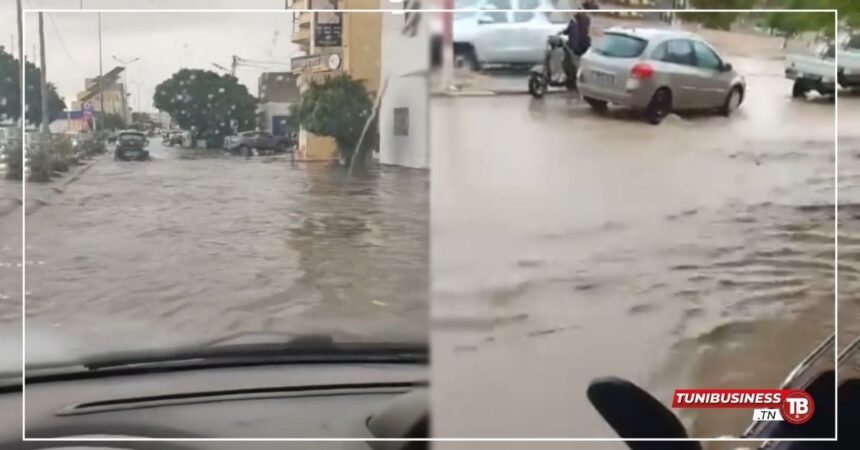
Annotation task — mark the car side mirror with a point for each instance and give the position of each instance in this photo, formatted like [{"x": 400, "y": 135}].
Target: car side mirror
[{"x": 727, "y": 67}]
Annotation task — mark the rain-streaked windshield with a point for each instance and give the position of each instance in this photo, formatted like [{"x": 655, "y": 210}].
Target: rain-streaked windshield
[{"x": 268, "y": 196}]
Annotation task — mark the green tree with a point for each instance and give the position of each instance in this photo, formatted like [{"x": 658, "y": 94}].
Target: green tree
[
  {"x": 10, "y": 94},
  {"x": 206, "y": 102},
  {"x": 791, "y": 24},
  {"x": 111, "y": 121},
  {"x": 338, "y": 107},
  {"x": 720, "y": 20}
]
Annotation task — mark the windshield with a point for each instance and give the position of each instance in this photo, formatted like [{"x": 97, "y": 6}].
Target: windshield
[
  {"x": 299, "y": 228},
  {"x": 616, "y": 45},
  {"x": 132, "y": 138}
]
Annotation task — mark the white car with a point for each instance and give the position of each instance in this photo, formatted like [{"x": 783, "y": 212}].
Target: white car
[
  {"x": 492, "y": 36},
  {"x": 818, "y": 72},
  {"x": 849, "y": 63}
]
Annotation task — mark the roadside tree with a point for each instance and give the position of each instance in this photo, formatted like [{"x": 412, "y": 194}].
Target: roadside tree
[
  {"x": 207, "y": 103},
  {"x": 10, "y": 93},
  {"x": 112, "y": 121},
  {"x": 338, "y": 107}
]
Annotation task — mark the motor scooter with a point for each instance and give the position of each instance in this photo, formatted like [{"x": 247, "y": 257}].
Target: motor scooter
[{"x": 558, "y": 69}]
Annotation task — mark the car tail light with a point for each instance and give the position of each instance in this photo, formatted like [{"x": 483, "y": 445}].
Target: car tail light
[{"x": 642, "y": 71}]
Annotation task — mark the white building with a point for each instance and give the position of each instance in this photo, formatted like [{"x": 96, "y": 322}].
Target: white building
[
  {"x": 403, "y": 115},
  {"x": 277, "y": 92}
]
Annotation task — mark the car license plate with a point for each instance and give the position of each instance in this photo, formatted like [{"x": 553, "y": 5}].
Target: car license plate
[{"x": 603, "y": 78}]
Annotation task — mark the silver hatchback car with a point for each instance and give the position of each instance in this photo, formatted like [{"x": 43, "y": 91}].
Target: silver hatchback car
[{"x": 657, "y": 71}]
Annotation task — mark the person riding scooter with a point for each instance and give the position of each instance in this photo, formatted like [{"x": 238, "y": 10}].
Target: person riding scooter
[
  {"x": 583, "y": 32},
  {"x": 572, "y": 34}
]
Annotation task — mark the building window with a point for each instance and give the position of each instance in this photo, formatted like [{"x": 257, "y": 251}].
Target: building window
[{"x": 401, "y": 121}]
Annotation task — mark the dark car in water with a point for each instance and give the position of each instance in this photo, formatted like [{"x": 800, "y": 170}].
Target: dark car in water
[
  {"x": 131, "y": 146},
  {"x": 258, "y": 142},
  {"x": 171, "y": 138}
]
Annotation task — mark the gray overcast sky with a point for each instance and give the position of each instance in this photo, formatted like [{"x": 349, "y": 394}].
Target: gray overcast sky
[{"x": 164, "y": 41}]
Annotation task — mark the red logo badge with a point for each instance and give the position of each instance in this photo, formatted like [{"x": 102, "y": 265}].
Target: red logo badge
[{"x": 797, "y": 407}]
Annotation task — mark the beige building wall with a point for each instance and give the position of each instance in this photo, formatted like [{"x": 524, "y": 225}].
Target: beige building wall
[{"x": 361, "y": 51}]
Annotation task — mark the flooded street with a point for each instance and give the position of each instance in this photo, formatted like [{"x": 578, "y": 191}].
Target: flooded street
[
  {"x": 697, "y": 253},
  {"x": 183, "y": 249},
  {"x": 10, "y": 274}
]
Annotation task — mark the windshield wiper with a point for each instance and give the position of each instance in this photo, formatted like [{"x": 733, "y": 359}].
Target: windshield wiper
[{"x": 306, "y": 349}]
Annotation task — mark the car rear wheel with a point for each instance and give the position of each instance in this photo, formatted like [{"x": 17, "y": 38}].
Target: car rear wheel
[
  {"x": 466, "y": 58},
  {"x": 244, "y": 150},
  {"x": 799, "y": 89},
  {"x": 595, "y": 104},
  {"x": 733, "y": 101},
  {"x": 659, "y": 107}
]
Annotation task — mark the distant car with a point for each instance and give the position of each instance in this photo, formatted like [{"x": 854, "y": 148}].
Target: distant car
[
  {"x": 494, "y": 36},
  {"x": 131, "y": 146},
  {"x": 172, "y": 138},
  {"x": 9, "y": 136},
  {"x": 261, "y": 141},
  {"x": 658, "y": 71}
]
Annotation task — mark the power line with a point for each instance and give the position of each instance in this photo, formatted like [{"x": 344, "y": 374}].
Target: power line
[{"x": 63, "y": 45}]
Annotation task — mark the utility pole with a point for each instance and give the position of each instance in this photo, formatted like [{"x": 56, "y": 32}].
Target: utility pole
[
  {"x": 233, "y": 65},
  {"x": 447, "y": 45},
  {"x": 21, "y": 62},
  {"x": 20, "y": 38},
  {"x": 46, "y": 115},
  {"x": 101, "y": 76}
]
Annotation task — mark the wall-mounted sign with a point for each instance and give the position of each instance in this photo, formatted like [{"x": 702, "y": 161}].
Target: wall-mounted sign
[
  {"x": 334, "y": 61},
  {"x": 316, "y": 63},
  {"x": 328, "y": 26},
  {"x": 401, "y": 121}
]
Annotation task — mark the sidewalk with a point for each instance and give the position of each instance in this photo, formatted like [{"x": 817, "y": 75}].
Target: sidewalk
[{"x": 39, "y": 194}]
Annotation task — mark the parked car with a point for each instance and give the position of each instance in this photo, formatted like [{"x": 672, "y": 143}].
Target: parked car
[
  {"x": 8, "y": 135},
  {"x": 260, "y": 141},
  {"x": 494, "y": 36},
  {"x": 658, "y": 71},
  {"x": 848, "y": 73},
  {"x": 131, "y": 146},
  {"x": 172, "y": 138},
  {"x": 818, "y": 72}
]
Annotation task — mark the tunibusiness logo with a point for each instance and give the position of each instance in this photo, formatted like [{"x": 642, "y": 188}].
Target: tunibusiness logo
[{"x": 793, "y": 406}]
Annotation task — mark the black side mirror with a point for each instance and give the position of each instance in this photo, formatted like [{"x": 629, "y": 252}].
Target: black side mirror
[
  {"x": 634, "y": 413},
  {"x": 727, "y": 67}
]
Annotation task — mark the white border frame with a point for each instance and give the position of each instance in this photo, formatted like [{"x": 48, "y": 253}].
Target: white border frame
[{"x": 24, "y": 437}]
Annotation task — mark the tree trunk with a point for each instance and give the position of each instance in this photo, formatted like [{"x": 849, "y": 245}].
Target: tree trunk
[{"x": 359, "y": 154}]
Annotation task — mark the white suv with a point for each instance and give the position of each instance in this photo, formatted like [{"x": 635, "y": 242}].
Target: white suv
[{"x": 497, "y": 37}]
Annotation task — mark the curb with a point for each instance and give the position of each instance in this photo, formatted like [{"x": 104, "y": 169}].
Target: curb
[{"x": 487, "y": 93}]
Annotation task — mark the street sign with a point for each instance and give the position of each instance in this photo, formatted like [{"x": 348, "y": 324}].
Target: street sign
[
  {"x": 316, "y": 63},
  {"x": 87, "y": 109}
]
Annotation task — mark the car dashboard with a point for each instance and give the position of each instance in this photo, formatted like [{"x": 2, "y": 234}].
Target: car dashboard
[{"x": 301, "y": 401}]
